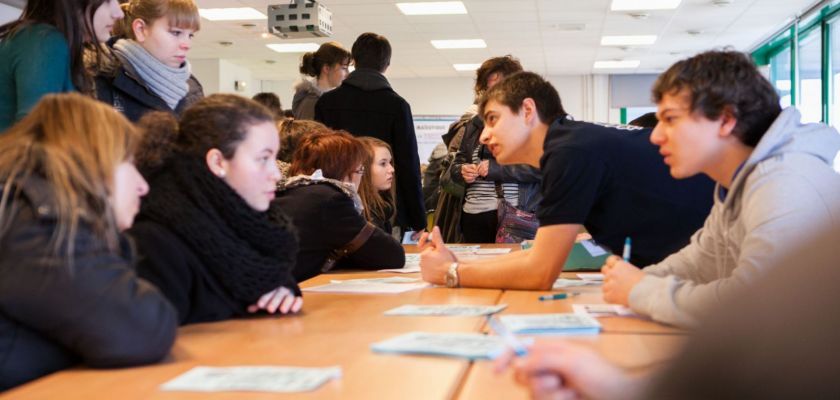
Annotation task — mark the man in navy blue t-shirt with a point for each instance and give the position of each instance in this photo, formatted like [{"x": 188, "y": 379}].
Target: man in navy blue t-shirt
[{"x": 608, "y": 179}]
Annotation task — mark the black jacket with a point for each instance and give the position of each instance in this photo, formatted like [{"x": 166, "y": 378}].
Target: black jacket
[
  {"x": 129, "y": 95},
  {"x": 365, "y": 105},
  {"x": 53, "y": 315},
  {"x": 326, "y": 219},
  {"x": 525, "y": 176},
  {"x": 207, "y": 250}
]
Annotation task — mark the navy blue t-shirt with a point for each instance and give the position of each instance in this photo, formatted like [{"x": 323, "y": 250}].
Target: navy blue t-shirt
[{"x": 613, "y": 181}]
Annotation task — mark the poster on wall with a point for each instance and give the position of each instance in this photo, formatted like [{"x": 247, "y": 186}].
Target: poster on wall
[{"x": 429, "y": 129}]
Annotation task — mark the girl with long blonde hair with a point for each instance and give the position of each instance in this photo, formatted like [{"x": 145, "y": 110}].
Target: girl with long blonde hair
[{"x": 68, "y": 188}]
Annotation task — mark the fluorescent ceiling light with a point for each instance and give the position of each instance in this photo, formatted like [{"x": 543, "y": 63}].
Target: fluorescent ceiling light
[
  {"x": 293, "y": 47},
  {"x": 231, "y": 14},
  {"x": 459, "y": 44},
  {"x": 616, "y": 64},
  {"x": 634, "y": 5},
  {"x": 466, "y": 67},
  {"x": 628, "y": 40},
  {"x": 433, "y": 8}
]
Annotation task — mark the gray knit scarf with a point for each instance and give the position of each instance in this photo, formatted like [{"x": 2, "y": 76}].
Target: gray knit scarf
[{"x": 170, "y": 84}]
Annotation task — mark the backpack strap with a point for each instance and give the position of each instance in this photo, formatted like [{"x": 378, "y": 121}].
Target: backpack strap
[{"x": 351, "y": 247}]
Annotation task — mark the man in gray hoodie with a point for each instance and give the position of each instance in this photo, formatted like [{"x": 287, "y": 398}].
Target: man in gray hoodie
[{"x": 775, "y": 185}]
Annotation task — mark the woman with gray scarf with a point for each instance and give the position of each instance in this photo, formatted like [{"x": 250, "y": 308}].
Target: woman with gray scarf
[{"x": 150, "y": 71}]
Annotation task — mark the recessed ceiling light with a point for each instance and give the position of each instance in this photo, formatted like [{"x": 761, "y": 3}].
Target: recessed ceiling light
[
  {"x": 459, "y": 44},
  {"x": 466, "y": 67},
  {"x": 433, "y": 8},
  {"x": 293, "y": 47},
  {"x": 616, "y": 64},
  {"x": 634, "y": 5},
  {"x": 231, "y": 14},
  {"x": 628, "y": 40}
]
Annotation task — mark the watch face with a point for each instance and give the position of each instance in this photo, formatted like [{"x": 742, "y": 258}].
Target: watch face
[{"x": 450, "y": 280}]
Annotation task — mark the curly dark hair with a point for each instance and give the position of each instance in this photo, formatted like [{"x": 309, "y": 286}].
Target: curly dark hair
[{"x": 721, "y": 81}]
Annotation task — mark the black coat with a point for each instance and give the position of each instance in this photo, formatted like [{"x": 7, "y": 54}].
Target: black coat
[
  {"x": 53, "y": 316},
  {"x": 326, "y": 219},
  {"x": 365, "y": 105},
  {"x": 129, "y": 95}
]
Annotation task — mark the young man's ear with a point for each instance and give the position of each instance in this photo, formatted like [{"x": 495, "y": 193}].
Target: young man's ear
[
  {"x": 216, "y": 162},
  {"x": 140, "y": 29},
  {"x": 529, "y": 108},
  {"x": 728, "y": 122}
]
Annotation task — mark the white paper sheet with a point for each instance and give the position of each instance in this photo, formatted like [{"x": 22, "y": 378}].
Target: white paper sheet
[
  {"x": 465, "y": 345},
  {"x": 449, "y": 310},
  {"x": 252, "y": 379},
  {"x": 603, "y": 310},
  {"x": 561, "y": 283},
  {"x": 591, "y": 276},
  {"x": 553, "y": 324}
]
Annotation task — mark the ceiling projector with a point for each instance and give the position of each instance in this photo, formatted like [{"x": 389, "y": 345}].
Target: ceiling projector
[{"x": 299, "y": 19}]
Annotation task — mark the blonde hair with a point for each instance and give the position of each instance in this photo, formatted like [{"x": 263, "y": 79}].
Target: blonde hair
[
  {"x": 182, "y": 14},
  {"x": 376, "y": 205},
  {"x": 292, "y": 131},
  {"x": 75, "y": 143}
]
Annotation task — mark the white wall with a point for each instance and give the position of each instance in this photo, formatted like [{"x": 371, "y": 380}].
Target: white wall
[
  {"x": 219, "y": 76},
  {"x": 8, "y": 13}
]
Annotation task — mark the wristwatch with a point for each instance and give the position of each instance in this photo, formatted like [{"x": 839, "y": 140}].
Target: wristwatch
[{"x": 452, "y": 276}]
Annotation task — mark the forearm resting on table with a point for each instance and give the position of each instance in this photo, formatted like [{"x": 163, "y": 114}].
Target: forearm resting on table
[{"x": 533, "y": 269}]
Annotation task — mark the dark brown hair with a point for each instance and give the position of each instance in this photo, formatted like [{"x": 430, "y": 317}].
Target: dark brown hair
[
  {"x": 330, "y": 53},
  {"x": 271, "y": 101},
  {"x": 337, "y": 154},
  {"x": 371, "y": 51},
  {"x": 218, "y": 121},
  {"x": 292, "y": 131},
  {"x": 724, "y": 81},
  {"x": 506, "y": 66},
  {"x": 513, "y": 90},
  {"x": 74, "y": 19}
]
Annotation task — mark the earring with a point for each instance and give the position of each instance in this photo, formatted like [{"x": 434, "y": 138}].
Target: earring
[{"x": 222, "y": 174}]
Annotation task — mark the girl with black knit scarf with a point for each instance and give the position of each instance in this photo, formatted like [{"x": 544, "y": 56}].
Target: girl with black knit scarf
[{"x": 208, "y": 233}]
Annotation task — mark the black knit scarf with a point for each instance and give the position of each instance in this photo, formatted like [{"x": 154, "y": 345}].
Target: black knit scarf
[{"x": 249, "y": 252}]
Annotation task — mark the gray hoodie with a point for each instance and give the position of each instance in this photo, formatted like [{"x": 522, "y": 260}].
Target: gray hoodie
[
  {"x": 307, "y": 94},
  {"x": 786, "y": 190}
]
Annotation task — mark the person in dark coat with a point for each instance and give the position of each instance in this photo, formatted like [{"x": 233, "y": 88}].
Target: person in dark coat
[
  {"x": 208, "y": 233},
  {"x": 151, "y": 72},
  {"x": 366, "y": 105},
  {"x": 321, "y": 197},
  {"x": 68, "y": 291}
]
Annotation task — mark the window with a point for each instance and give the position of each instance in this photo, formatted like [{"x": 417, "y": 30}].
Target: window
[
  {"x": 780, "y": 76},
  {"x": 810, "y": 77},
  {"x": 834, "y": 92}
]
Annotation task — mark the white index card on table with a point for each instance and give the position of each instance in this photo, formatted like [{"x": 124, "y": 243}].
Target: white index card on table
[
  {"x": 252, "y": 379},
  {"x": 366, "y": 287}
]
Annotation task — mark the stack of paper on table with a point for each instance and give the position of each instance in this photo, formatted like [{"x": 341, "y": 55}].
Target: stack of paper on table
[
  {"x": 551, "y": 324},
  {"x": 465, "y": 345},
  {"x": 452, "y": 310},
  {"x": 252, "y": 379}
]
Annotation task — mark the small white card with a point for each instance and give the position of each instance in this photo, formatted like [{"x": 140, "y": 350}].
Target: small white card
[
  {"x": 391, "y": 279},
  {"x": 561, "y": 283},
  {"x": 252, "y": 379},
  {"x": 593, "y": 249},
  {"x": 448, "y": 310},
  {"x": 603, "y": 310},
  {"x": 492, "y": 251},
  {"x": 366, "y": 287},
  {"x": 465, "y": 345},
  {"x": 551, "y": 324},
  {"x": 594, "y": 276}
]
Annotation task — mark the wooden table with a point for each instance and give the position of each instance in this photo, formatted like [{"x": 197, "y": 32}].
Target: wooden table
[{"x": 338, "y": 329}]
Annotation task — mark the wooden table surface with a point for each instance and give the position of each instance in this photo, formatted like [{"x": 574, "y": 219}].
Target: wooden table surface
[{"x": 338, "y": 329}]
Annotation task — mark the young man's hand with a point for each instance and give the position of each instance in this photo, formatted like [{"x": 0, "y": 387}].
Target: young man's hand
[
  {"x": 469, "y": 172},
  {"x": 435, "y": 258},
  {"x": 620, "y": 278}
]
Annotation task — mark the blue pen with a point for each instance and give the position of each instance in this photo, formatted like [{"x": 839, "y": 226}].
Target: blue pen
[
  {"x": 557, "y": 296},
  {"x": 626, "y": 254},
  {"x": 508, "y": 337}
]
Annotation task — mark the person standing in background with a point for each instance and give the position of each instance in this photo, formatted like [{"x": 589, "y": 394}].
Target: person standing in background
[
  {"x": 366, "y": 105},
  {"x": 328, "y": 66},
  {"x": 43, "y": 51}
]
